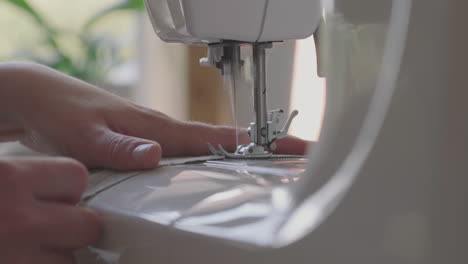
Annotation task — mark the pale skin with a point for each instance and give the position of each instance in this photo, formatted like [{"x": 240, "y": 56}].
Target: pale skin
[{"x": 79, "y": 126}]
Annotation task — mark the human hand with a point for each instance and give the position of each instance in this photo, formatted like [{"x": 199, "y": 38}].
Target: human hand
[
  {"x": 60, "y": 115},
  {"x": 39, "y": 222}
]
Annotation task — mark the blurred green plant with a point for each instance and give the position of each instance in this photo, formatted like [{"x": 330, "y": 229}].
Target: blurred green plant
[{"x": 99, "y": 54}]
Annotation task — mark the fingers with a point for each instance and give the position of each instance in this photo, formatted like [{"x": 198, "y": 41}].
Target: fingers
[
  {"x": 292, "y": 146},
  {"x": 34, "y": 216},
  {"x": 192, "y": 138},
  {"x": 226, "y": 136},
  {"x": 41, "y": 256},
  {"x": 183, "y": 138},
  {"x": 54, "y": 257},
  {"x": 178, "y": 138},
  {"x": 205, "y": 134},
  {"x": 66, "y": 227},
  {"x": 117, "y": 151},
  {"x": 58, "y": 179}
]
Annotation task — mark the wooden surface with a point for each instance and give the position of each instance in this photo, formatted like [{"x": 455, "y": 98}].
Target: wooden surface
[{"x": 208, "y": 102}]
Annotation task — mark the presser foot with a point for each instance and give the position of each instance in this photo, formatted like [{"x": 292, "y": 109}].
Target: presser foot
[
  {"x": 250, "y": 151},
  {"x": 221, "y": 152}
]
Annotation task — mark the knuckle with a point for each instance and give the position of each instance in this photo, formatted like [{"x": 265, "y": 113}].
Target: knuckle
[
  {"x": 153, "y": 114},
  {"x": 114, "y": 145}
]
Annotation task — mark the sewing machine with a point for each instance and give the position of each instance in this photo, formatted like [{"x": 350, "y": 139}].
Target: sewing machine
[
  {"x": 385, "y": 182},
  {"x": 226, "y": 27}
]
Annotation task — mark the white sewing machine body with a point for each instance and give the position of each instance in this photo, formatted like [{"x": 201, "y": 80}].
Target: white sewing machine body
[
  {"x": 150, "y": 213},
  {"x": 210, "y": 21},
  {"x": 386, "y": 182}
]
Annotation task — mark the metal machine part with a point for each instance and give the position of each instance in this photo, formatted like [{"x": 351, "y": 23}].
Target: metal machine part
[{"x": 265, "y": 129}]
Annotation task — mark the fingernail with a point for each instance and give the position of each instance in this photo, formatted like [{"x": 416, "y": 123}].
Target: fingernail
[
  {"x": 147, "y": 156},
  {"x": 140, "y": 152}
]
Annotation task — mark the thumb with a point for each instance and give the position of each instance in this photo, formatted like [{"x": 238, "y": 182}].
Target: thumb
[{"x": 116, "y": 151}]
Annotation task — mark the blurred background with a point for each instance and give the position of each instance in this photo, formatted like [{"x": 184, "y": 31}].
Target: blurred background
[{"x": 111, "y": 44}]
